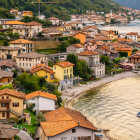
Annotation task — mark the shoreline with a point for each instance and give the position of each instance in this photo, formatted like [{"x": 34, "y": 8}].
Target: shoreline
[{"x": 78, "y": 91}]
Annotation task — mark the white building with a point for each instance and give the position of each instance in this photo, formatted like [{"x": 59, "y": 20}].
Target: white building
[
  {"x": 93, "y": 60},
  {"x": 42, "y": 101},
  {"x": 27, "y": 60},
  {"x": 65, "y": 124},
  {"x": 132, "y": 35},
  {"x": 54, "y": 20}
]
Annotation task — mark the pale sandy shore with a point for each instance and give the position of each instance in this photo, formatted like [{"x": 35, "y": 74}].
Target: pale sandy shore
[{"x": 71, "y": 94}]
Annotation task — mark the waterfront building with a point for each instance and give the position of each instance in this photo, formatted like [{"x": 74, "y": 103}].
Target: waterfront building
[
  {"x": 64, "y": 72},
  {"x": 93, "y": 60},
  {"x": 65, "y": 124},
  {"x": 53, "y": 20},
  {"x": 42, "y": 101}
]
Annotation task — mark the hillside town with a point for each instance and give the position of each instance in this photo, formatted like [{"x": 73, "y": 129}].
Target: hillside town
[{"x": 40, "y": 65}]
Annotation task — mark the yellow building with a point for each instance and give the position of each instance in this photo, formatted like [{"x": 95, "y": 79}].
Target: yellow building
[
  {"x": 7, "y": 52},
  {"x": 5, "y": 77},
  {"x": 61, "y": 28},
  {"x": 26, "y": 45},
  {"x": 128, "y": 50},
  {"x": 63, "y": 70},
  {"x": 138, "y": 38},
  {"x": 11, "y": 104},
  {"x": 27, "y": 13},
  {"x": 42, "y": 70},
  {"x": 68, "y": 26}
]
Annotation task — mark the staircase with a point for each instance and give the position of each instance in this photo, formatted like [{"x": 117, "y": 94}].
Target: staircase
[{"x": 15, "y": 113}]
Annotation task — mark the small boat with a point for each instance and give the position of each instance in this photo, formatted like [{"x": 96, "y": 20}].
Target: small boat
[{"x": 138, "y": 115}]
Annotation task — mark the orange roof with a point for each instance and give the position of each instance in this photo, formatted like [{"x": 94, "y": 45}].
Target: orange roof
[
  {"x": 42, "y": 67},
  {"x": 27, "y": 11},
  {"x": 52, "y": 18},
  {"x": 21, "y": 41},
  {"x": 33, "y": 23},
  {"x": 12, "y": 93},
  {"x": 42, "y": 94},
  {"x": 88, "y": 53},
  {"x": 103, "y": 38},
  {"x": 77, "y": 45},
  {"x": 91, "y": 27},
  {"x": 104, "y": 48},
  {"x": 132, "y": 33},
  {"x": 121, "y": 39},
  {"x": 65, "y": 64},
  {"x": 125, "y": 49},
  {"x": 14, "y": 23},
  {"x": 64, "y": 119}
]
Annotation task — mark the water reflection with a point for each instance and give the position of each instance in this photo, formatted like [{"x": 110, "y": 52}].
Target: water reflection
[{"x": 114, "y": 107}]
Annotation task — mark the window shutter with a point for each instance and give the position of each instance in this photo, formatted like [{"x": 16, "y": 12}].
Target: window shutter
[
  {"x": 18, "y": 105},
  {"x": 13, "y": 104},
  {"x": 1, "y": 104}
]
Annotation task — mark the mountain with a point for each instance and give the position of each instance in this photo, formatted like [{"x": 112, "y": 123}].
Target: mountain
[
  {"x": 135, "y": 4},
  {"x": 61, "y": 10}
]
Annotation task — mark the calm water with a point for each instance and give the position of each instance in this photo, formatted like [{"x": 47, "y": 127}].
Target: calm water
[
  {"x": 133, "y": 26},
  {"x": 114, "y": 107}
]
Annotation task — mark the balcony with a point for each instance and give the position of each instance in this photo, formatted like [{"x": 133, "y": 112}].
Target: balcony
[{"x": 5, "y": 100}]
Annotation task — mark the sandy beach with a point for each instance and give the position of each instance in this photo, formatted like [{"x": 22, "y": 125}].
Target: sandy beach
[{"x": 74, "y": 93}]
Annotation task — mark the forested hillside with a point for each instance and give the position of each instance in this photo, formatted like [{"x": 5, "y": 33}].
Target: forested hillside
[
  {"x": 130, "y": 3},
  {"x": 62, "y": 10}
]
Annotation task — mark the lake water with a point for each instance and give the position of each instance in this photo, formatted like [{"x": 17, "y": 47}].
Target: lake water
[
  {"x": 133, "y": 26},
  {"x": 114, "y": 107}
]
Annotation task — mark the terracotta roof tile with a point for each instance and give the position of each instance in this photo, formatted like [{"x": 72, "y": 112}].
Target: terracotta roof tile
[
  {"x": 42, "y": 67},
  {"x": 77, "y": 45},
  {"x": 12, "y": 93},
  {"x": 40, "y": 93},
  {"x": 65, "y": 64},
  {"x": 21, "y": 41},
  {"x": 132, "y": 33},
  {"x": 63, "y": 119},
  {"x": 52, "y": 18},
  {"x": 125, "y": 49},
  {"x": 33, "y": 23},
  {"x": 88, "y": 53},
  {"x": 4, "y": 73},
  {"x": 14, "y": 23},
  {"x": 8, "y": 63}
]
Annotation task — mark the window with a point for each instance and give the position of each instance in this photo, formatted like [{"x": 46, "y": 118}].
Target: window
[
  {"x": 7, "y": 97},
  {"x": 67, "y": 70},
  {"x": 23, "y": 59},
  {"x": 20, "y": 30},
  {"x": 23, "y": 64},
  {"x": 3, "y": 105},
  {"x": 73, "y": 138},
  {"x": 3, "y": 114},
  {"x": 2, "y": 50},
  {"x": 2, "y": 97},
  {"x": 38, "y": 59},
  {"x": 70, "y": 75},
  {"x": 66, "y": 82},
  {"x": 55, "y": 68},
  {"x": 46, "y": 76},
  {"x": 15, "y": 104},
  {"x": 64, "y": 138},
  {"x": 30, "y": 64},
  {"x": 20, "y": 64},
  {"x": 73, "y": 130},
  {"x": 26, "y": 64},
  {"x": 8, "y": 52},
  {"x": 30, "y": 59},
  {"x": 23, "y": 50},
  {"x": 70, "y": 70},
  {"x": 19, "y": 59},
  {"x": 64, "y": 71},
  {"x": 26, "y": 59},
  {"x": 34, "y": 104}
]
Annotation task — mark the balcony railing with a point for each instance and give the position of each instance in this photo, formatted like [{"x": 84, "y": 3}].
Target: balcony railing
[{"x": 5, "y": 100}]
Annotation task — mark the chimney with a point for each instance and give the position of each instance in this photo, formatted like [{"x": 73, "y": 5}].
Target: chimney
[
  {"x": 0, "y": 132},
  {"x": 78, "y": 123},
  {"x": 21, "y": 94}
]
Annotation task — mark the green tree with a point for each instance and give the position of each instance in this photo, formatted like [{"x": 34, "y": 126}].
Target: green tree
[
  {"x": 42, "y": 81},
  {"x": 105, "y": 59},
  {"x": 58, "y": 95},
  {"x": 112, "y": 21},
  {"x": 50, "y": 63},
  {"x": 51, "y": 87},
  {"x": 16, "y": 35},
  {"x": 40, "y": 118},
  {"x": 15, "y": 73},
  {"x": 30, "y": 106},
  {"x": 9, "y": 86},
  {"x": 6, "y": 43},
  {"x": 125, "y": 37}
]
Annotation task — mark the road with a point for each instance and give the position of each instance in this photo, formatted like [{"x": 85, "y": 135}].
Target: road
[{"x": 23, "y": 135}]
